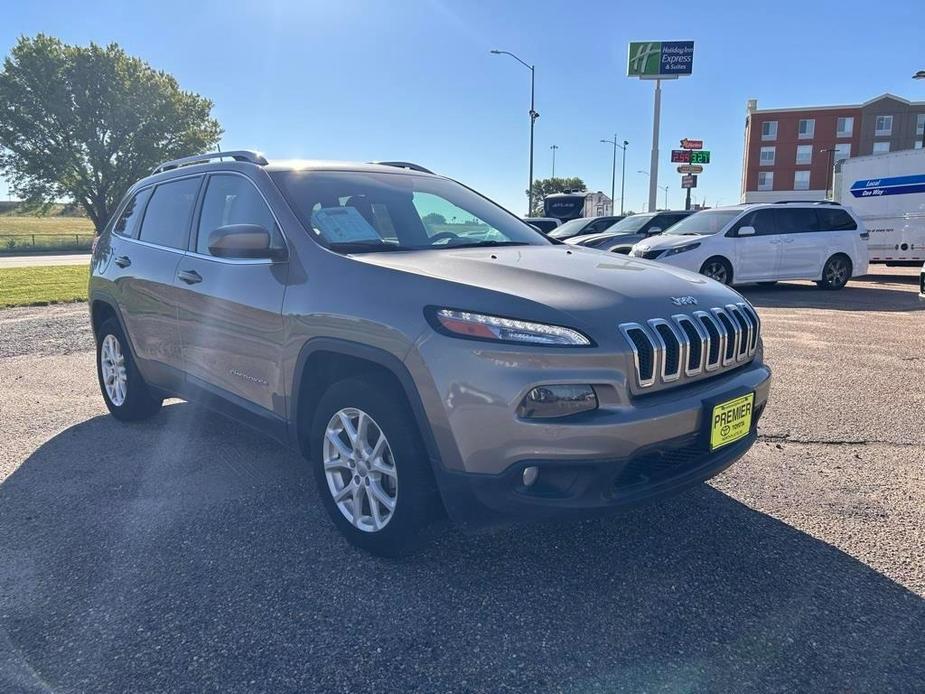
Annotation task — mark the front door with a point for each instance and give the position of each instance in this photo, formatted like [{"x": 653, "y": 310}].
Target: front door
[
  {"x": 230, "y": 315},
  {"x": 756, "y": 257}
]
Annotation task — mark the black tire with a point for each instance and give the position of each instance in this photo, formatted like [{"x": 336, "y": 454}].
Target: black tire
[
  {"x": 138, "y": 401},
  {"x": 717, "y": 268},
  {"x": 416, "y": 502},
  {"x": 836, "y": 272}
]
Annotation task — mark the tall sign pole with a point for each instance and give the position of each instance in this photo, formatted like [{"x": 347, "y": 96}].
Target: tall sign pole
[
  {"x": 653, "y": 162},
  {"x": 658, "y": 60}
]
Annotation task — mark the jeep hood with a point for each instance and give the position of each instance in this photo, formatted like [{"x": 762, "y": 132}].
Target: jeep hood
[{"x": 568, "y": 278}]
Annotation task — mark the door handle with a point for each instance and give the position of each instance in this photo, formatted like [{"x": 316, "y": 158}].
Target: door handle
[
  {"x": 190, "y": 276},
  {"x": 122, "y": 261}
]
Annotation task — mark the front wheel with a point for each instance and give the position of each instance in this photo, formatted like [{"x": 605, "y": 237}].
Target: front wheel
[
  {"x": 717, "y": 269},
  {"x": 370, "y": 466},
  {"x": 836, "y": 273},
  {"x": 125, "y": 392}
]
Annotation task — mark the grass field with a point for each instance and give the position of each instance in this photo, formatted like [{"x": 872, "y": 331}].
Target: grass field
[
  {"x": 38, "y": 286},
  {"x": 30, "y": 234}
]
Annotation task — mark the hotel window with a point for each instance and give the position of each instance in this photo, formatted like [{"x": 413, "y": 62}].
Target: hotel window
[
  {"x": 842, "y": 151},
  {"x": 919, "y": 130},
  {"x": 769, "y": 130},
  {"x": 804, "y": 154},
  {"x": 801, "y": 180},
  {"x": 844, "y": 127},
  {"x": 767, "y": 156},
  {"x": 765, "y": 180},
  {"x": 806, "y": 128},
  {"x": 883, "y": 125},
  {"x": 881, "y": 147}
]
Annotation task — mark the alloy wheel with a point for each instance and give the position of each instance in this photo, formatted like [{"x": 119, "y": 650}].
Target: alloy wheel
[
  {"x": 360, "y": 469},
  {"x": 836, "y": 272},
  {"x": 112, "y": 365},
  {"x": 716, "y": 271}
]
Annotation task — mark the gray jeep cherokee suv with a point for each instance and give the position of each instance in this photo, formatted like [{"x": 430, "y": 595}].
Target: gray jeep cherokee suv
[{"x": 425, "y": 349}]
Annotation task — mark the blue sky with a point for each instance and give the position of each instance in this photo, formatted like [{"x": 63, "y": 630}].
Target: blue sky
[{"x": 363, "y": 80}]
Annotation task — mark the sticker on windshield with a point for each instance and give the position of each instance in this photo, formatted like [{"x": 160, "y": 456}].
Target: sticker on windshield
[{"x": 343, "y": 225}]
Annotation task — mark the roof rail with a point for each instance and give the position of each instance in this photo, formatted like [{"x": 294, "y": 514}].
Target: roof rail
[
  {"x": 807, "y": 202},
  {"x": 403, "y": 165},
  {"x": 238, "y": 155}
]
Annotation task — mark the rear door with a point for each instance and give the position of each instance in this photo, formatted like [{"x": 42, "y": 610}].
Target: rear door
[
  {"x": 146, "y": 265},
  {"x": 756, "y": 258},
  {"x": 230, "y": 320},
  {"x": 804, "y": 247}
]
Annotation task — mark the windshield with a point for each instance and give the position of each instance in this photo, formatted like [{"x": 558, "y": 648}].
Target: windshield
[
  {"x": 703, "y": 223},
  {"x": 569, "y": 229},
  {"x": 629, "y": 225},
  {"x": 361, "y": 212}
]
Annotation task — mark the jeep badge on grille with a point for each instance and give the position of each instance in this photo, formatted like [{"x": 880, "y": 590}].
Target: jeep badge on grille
[{"x": 684, "y": 301}]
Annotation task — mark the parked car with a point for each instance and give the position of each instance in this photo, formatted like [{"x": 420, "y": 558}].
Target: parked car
[
  {"x": 922, "y": 284},
  {"x": 544, "y": 224},
  {"x": 583, "y": 226},
  {"x": 620, "y": 237},
  {"x": 419, "y": 370},
  {"x": 819, "y": 241}
]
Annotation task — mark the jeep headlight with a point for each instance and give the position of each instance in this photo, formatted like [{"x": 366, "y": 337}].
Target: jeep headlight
[
  {"x": 481, "y": 326},
  {"x": 681, "y": 249}
]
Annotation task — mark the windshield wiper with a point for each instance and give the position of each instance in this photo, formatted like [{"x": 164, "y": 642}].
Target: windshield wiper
[
  {"x": 482, "y": 244},
  {"x": 363, "y": 246}
]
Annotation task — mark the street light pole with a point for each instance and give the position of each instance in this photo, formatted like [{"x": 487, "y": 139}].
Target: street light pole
[
  {"x": 554, "y": 148},
  {"x": 613, "y": 173},
  {"x": 665, "y": 188},
  {"x": 920, "y": 75},
  {"x": 533, "y": 116}
]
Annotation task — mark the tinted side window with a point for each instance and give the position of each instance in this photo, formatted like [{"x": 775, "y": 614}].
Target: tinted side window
[
  {"x": 598, "y": 225},
  {"x": 127, "y": 223},
  {"x": 762, "y": 220},
  {"x": 167, "y": 216},
  {"x": 795, "y": 220},
  {"x": 233, "y": 199},
  {"x": 834, "y": 219},
  {"x": 668, "y": 220}
]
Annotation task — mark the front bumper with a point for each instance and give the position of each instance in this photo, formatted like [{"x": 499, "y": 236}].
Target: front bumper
[{"x": 588, "y": 487}]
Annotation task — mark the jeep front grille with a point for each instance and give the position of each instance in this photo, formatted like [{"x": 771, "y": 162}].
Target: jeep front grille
[{"x": 668, "y": 350}]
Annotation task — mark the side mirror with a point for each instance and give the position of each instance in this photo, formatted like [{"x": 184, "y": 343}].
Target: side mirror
[
  {"x": 243, "y": 241},
  {"x": 653, "y": 231},
  {"x": 746, "y": 231}
]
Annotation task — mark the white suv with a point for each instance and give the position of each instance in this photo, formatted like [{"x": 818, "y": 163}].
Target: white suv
[{"x": 766, "y": 242}]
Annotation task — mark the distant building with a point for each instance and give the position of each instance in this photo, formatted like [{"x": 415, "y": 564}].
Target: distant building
[
  {"x": 598, "y": 205},
  {"x": 784, "y": 147}
]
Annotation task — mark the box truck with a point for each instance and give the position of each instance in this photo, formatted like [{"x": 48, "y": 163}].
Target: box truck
[{"x": 887, "y": 191}]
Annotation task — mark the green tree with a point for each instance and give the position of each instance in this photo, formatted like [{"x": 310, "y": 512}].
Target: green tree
[
  {"x": 545, "y": 186},
  {"x": 434, "y": 218},
  {"x": 84, "y": 123}
]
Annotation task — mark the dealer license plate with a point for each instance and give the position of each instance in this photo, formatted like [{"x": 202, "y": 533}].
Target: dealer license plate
[{"x": 731, "y": 421}]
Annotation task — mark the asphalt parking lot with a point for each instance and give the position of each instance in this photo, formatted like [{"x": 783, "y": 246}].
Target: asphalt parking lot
[{"x": 188, "y": 554}]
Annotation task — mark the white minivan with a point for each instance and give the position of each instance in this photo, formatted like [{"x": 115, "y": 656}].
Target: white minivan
[{"x": 766, "y": 242}]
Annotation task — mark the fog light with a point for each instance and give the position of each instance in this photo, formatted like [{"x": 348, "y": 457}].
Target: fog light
[
  {"x": 530, "y": 475},
  {"x": 557, "y": 401}
]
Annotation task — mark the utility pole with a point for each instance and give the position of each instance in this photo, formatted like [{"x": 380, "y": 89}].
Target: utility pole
[{"x": 554, "y": 148}]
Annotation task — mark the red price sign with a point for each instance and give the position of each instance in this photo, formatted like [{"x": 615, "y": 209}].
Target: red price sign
[{"x": 680, "y": 156}]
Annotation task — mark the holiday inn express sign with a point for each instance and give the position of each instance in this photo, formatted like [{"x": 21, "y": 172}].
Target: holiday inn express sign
[{"x": 660, "y": 59}]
